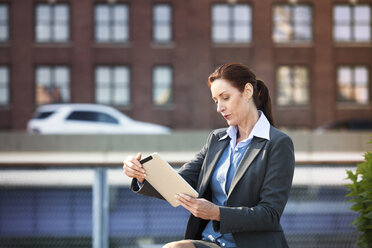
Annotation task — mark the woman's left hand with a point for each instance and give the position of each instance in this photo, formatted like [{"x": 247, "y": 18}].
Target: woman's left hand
[{"x": 199, "y": 207}]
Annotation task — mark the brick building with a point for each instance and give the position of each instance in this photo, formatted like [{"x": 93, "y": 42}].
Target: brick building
[{"x": 151, "y": 58}]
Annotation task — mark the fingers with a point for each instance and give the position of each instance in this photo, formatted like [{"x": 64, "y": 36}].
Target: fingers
[
  {"x": 199, "y": 207},
  {"x": 188, "y": 202},
  {"x": 138, "y": 156},
  {"x": 133, "y": 172},
  {"x": 133, "y": 168},
  {"x": 186, "y": 199}
]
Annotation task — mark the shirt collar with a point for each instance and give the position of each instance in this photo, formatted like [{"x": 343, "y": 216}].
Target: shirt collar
[{"x": 261, "y": 129}]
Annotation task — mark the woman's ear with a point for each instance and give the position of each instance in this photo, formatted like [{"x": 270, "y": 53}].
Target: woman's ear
[{"x": 248, "y": 91}]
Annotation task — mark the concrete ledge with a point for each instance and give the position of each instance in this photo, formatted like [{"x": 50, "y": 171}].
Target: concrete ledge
[
  {"x": 314, "y": 176},
  {"x": 332, "y": 141},
  {"x": 74, "y": 159},
  {"x": 177, "y": 141},
  {"x": 110, "y": 150},
  {"x": 182, "y": 141}
]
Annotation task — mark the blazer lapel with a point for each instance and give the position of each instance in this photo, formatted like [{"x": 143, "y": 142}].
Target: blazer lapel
[
  {"x": 214, "y": 155},
  {"x": 255, "y": 147}
]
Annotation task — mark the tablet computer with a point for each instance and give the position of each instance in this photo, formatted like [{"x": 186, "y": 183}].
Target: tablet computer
[{"x": 165, "y": 179}]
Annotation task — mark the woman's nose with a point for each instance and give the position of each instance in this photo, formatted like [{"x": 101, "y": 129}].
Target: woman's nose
[{"x": 220, "y": 108}]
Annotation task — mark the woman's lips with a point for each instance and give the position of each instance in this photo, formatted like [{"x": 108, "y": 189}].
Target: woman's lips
[{"x": 226, "y": 116}]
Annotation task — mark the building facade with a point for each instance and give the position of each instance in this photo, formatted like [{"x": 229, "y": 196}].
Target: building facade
[{"x": 151, "y": 58}]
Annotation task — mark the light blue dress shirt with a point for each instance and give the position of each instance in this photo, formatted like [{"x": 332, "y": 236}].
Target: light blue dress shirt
[{"x": 224, "y": 173}]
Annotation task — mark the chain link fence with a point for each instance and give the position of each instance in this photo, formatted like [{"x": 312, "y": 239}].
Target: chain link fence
[{"x": 53, "y": 208}]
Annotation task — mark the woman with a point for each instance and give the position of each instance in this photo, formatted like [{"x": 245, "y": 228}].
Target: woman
[{"x": 243, "y": 174}]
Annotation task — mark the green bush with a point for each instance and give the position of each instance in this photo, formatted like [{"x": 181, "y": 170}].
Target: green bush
[{"x": 361, "y": 193}]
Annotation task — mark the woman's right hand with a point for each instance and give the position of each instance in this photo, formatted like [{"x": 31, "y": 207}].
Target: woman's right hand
[{"x": 133, "y": 168}]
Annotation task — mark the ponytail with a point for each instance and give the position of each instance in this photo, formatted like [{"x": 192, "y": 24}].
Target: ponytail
[{"x": 262, "y": 100}]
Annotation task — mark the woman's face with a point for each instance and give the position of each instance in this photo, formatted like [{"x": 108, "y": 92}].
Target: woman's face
[{"x": 232, "y": 104}]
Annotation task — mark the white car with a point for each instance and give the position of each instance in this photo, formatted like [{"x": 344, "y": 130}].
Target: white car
[{"x": 88, "y": 119}]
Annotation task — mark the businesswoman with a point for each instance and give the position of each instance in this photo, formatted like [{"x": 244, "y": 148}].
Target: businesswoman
[{"x": 243, "y": 173}]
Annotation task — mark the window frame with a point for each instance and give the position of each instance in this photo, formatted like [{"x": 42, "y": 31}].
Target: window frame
[
  {"x": 6, "y": 23},
  {"x": 111, "y": 85},
  {"x": 111, "y": 23},
  {"x": 292, "y": 39},
  {"x": 7, "y": 85},
  {"x": 231, "y": 24},
  {"x": 169, "y": 24},
  {"x": 352, "y": 24},
  {"x": 171, "y": 86},
  {"x": 52, "y": 23},
  {"x": 354, "y": 102},
  {"x": 52, "y": 69},
  {"x": 292, "y": 103}
]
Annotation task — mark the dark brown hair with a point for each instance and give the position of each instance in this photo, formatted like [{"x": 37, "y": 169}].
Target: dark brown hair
[{"x": 238, "y": 75}]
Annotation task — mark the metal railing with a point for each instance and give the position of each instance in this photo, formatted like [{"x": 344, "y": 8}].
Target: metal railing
[
  {"x": 317, "y": 202},
  {"x": 42, "y": 171}
]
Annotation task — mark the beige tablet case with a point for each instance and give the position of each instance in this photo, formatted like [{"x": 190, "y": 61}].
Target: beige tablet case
[{"x": 165, "y": 179}]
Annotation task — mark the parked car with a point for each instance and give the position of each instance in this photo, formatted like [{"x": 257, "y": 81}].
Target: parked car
[
  {"x": 346, "y": 125},
  {"x": 88, "y": 119}
]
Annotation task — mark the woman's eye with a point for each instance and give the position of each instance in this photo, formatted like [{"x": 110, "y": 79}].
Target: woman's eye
[{"x": 226, "y": 98}]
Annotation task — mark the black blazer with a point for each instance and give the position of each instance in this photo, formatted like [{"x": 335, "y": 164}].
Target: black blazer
[{"x": 258, "y": 192}]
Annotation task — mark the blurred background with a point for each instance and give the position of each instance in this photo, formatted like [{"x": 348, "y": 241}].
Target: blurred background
[{"x": 85, "y": 83}]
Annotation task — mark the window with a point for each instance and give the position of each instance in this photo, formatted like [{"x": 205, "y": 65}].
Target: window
[
  {"x": 231, "y": 23},
  {"x": 92, "y": 116},
  {"x": 52, "y": 23},
  {"x": 112, "y": 85},
  {"x": 111, "y": 23},
  {"x": 162, "y": 77},
  {"x": 4, "y": 85},
  {"x": 4, "y": 23},
  {"x": 352, "y": 23},
  {"x": 162, "y": 21},
  {"x": 52, "y": 84},
  {"x": 353, "y": 82},
  {"x": 293, "y": 85},
  {"x": 43, "y": 115},
  {"x": 292, "y": 23}
]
